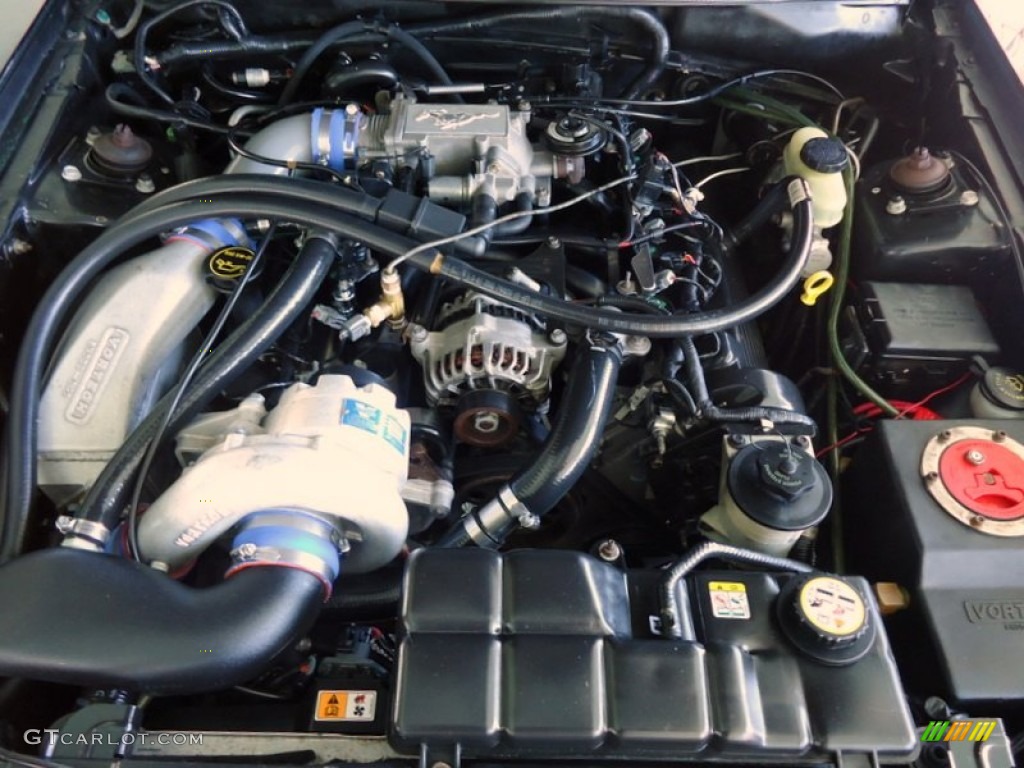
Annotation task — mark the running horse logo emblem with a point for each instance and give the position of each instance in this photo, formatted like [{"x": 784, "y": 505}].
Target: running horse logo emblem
[{"x": 447, "y": 120}]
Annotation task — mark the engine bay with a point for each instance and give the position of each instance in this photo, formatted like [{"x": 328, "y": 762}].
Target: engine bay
[{"x": 459, "y": 383}]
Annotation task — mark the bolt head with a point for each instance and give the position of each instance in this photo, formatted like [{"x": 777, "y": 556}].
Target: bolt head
[
  {"x": 969, "y": 198},
  {"x": 145, "y": 185},
  {"x": 557, "y": 336},
  {"x": 609, "y": 550},
  {"x": 638, "y": 345},
  {"x": 529, "y": 521},
  {"x": 487, "y": 422},
  {"x": 896, "y": 206},
  {"x": 418, "y": 333},
  {"x": 71, "y": 173},
  {"x": 975, "y": 457}
]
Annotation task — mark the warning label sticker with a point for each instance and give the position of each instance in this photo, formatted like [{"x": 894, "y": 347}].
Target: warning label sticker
[
  {"x": 346, "y": 706},
  {"x": 729, "y": 600}
]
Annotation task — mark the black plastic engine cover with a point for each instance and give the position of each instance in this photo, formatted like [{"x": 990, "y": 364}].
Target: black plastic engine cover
[
  {"x": 549, "y": 654},
  {"x": 967, "y": 587}
]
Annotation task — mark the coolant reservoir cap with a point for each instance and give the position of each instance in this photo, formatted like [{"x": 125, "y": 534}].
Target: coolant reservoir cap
[
  {"x": 1004, "y": 387},
  {"x": 825, "y": 155},
  {"x": 977, "y": 476},
  {"x": 826, "y": 617}
]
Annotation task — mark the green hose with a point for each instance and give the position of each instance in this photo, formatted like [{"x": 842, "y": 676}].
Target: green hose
[{"x": 836, "y": 307}]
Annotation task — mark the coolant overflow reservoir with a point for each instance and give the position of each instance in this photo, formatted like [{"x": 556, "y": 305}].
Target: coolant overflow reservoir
[{"x": 819, "y": 159}]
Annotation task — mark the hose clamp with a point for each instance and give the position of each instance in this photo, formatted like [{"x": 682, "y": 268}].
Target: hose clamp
[
  {"x": 215, "y": 233},
  {"x": 516, "y": 509},
  {"x": 489, "y": 525},
  {"x": 82, "y": 534},
  {"x": 334, "y": 137},
  {"x": 291, "y": 539}
]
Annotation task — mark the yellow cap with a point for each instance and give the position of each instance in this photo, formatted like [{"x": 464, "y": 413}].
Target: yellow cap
[
  {"x": 815, "y": 286},
  {"x": 832, "y": 607}
]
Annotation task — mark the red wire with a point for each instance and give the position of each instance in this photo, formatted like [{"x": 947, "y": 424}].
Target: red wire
[
  {"x": 916, "y": 411},
  {"x": 942, "y": 391}
]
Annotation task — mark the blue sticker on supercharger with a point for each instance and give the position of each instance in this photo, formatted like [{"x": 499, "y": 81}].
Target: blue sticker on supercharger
[
  {"x": 395, "y": 434},
  {"x": 356, "y": 413}
]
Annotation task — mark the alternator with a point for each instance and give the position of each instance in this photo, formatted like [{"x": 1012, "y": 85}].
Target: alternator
[{"x": 485, "y": 344}]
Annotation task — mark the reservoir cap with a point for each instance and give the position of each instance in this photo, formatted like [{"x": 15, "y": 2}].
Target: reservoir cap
[
  {"x": 824, "y": 155},
  {"x": 826, "y": 617}
]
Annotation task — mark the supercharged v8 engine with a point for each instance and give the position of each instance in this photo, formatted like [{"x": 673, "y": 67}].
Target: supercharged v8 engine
[{"x": 441, "y": 384}]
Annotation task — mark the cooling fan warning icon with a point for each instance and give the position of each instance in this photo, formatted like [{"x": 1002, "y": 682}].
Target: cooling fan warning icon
[{"x": 346, "y": 706}]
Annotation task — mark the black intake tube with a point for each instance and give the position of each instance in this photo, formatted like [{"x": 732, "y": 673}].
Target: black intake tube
[
  {"x": 658, "y": 50},
  {"x": 287, "y": 302},
  {"x": 82, "y": 618}
]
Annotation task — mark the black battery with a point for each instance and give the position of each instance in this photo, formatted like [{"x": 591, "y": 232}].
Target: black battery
[{"x": 908, "y": 339}]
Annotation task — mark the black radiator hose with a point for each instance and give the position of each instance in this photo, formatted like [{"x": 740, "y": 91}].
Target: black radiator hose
[
  {"x": 537, "y": 488},
  {"x": 87, "y": 619},
  {"x": 286, "y": 303},
  {"x": 659, "y": 48}
]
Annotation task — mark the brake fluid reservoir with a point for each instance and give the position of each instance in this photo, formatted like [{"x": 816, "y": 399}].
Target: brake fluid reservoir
[{"x": 819, "y": 159}]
